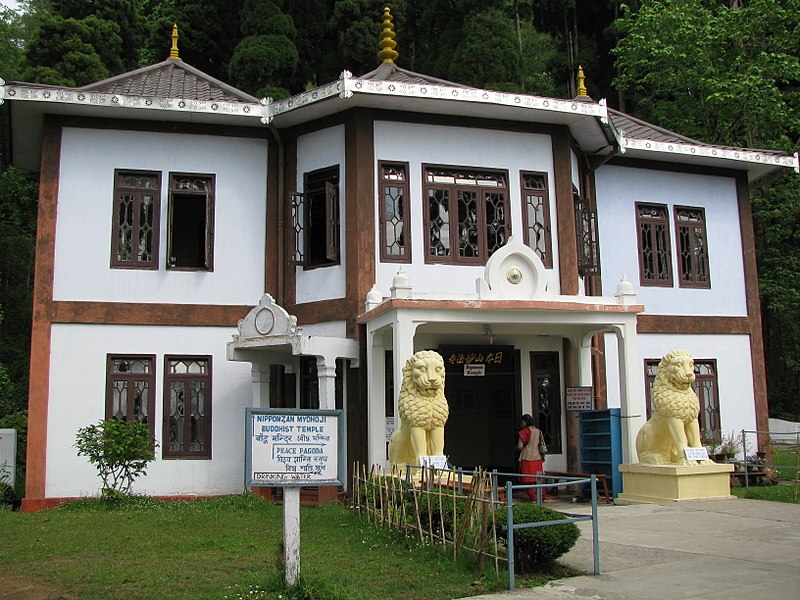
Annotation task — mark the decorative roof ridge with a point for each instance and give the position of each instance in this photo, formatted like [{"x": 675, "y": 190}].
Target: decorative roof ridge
[{"x": 387, "y": 69}]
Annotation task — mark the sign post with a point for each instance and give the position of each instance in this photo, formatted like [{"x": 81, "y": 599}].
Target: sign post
[
  {"x": 580, "y": 398},
  {"x": 291, "y": 448}
]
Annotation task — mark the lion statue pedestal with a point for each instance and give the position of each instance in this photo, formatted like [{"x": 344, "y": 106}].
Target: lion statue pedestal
[
  {"x": 664, "y": 473},
  {"x": 423, "y": 411}
]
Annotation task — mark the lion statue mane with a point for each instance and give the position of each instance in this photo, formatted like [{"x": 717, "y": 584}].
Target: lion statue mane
[
  {"x": 423, "y": 411},
  {"x": 673, "y": 425}
]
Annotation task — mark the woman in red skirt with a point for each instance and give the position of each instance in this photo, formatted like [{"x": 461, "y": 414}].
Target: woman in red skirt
[{"x": 531, "y": 461}]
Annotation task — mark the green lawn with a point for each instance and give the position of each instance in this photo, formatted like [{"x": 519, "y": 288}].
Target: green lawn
[
  {"x": 787, "y": 491},
  {"x": 222, "y": 548}
]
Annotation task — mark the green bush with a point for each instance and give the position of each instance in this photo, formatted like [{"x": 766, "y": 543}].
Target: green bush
[
  {"x": 8, "y": 497},
  {"x": 536, "y": 546},
  {"x": 120, "y": 450}
]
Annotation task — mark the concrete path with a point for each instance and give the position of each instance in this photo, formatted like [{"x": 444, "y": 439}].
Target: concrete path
[{"x": 704, "y": 550}]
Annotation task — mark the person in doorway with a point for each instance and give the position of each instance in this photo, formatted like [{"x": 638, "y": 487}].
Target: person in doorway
[{"x": 531, "y": 460}]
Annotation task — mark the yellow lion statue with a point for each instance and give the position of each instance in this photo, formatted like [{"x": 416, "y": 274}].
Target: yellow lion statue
[
  {"x": 423, "y": 411},
  {"x": 673, "y": 425}
]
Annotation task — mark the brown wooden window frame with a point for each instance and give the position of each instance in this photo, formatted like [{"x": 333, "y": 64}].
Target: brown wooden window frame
[
  {"x": 187, "y": 378},
  {"x": 181, "y": 189},
  {"x": 129, "y": 379},
  {"x": 538, "y": 234},
  {"x": 455, "y": 179},
  {"x": 659, "y": 246},
  {"x": 547, "y": 416},
  {"x": 137, "y": 194},
  {"x": 394, "y": 221},
  {"x": 316, "y": 219},
  {"x": 697, "y": 275},
  {"x": 586, "y": 231},
  {"x": 705, "y": 386}
]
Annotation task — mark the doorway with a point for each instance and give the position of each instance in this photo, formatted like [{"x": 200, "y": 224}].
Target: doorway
[{"x": 485, "y": 408}]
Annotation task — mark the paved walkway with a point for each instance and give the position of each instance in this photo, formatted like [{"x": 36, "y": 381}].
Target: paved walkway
[{"x": 703, "y": 550}]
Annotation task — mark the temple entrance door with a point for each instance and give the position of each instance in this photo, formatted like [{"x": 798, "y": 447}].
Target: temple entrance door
[{"x": 484, "y": 413}]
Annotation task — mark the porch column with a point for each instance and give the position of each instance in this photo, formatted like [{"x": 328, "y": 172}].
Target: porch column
[
  {"x": 259, "y": 375},
  {"x": 630, "y": 378},
  {"x": 402, "y": 349},
  {"x": 376, "y": 412},
  {"x": 326, "y": 374}
]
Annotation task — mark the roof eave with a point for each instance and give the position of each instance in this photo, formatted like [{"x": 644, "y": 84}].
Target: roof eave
[{"x": 758, "y": 163}]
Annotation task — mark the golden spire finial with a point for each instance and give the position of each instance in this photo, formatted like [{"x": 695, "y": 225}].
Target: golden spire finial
[
  {"x": 387, "y": 52},
  {"x": 173, "y": 52},
  {"x": 582, "y": 91}
]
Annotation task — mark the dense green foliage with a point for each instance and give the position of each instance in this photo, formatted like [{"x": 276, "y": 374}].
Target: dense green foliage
[
  {"x": 534, "y": 546},
  {"x": 120, "y": 450}
]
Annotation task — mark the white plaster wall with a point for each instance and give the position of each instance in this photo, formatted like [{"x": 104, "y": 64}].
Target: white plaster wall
[
  {"x": 456, "y": 146},
  {"x": 318, "y": 150},
  {"x": 85, "y": 209},
  {"x": 734, "y": 371},
  {"x": 77, "y": 399},
  {"x": 618, "y": 188}
]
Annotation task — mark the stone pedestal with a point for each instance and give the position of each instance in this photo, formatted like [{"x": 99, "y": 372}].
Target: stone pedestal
[{"x": 659, "y": 484}]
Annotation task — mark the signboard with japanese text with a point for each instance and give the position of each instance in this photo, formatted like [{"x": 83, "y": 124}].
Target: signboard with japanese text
[
  {"x": 580, "y": 398},
  {"x": 478, "y": 360},
  {"x": 294, "y": 447}
]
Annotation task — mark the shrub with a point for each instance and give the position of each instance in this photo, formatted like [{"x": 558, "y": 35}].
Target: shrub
[
  {"x": 120, "y": 450},
  {"x": 534, "y": 546}
]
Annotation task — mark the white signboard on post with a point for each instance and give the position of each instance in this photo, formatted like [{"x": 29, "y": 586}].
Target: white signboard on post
[
  {"x": 289, "y": 447},
  {"x": 580, "y": 398}
]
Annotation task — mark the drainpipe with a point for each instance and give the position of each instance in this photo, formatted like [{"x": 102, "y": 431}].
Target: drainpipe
[{"x": 281, "y": 212}]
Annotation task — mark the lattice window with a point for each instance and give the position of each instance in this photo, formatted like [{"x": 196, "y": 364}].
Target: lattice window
[
  {"x": 137, "y": 201},
  {"x": 586, "y": 230},
  {"x": 315, "y": 219},
  {"x": 690, "y": 226},
  {"x": 466, "y": 217},
  {"x": 394, "y": 212},
  {"x": 705, "y": 386},
  {"x": 187, "y": 407},
  {"x": 130, "y": 381},
  {"x": 191, "y": 222},
  {"x": 547, "y": 398},
  {"x": 655, "y": 255},
  {"x": 536, "y": 215}
]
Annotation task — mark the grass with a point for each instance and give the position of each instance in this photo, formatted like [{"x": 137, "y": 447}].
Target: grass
[
  {"x": 223, "y": 548},
  {"x": 787, "y": 491}
]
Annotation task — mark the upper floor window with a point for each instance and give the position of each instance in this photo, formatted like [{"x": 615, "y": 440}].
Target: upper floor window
[
  {"x": 586, "y": 231},
  {"x": 655, "y": 256},
  {"x": 134, "y": 237},
  {"x": 130, "y": 383},
  {"x": 705, "y": 387},
  {"x": 690, "y": 226},
  {"x": 315, "y": 216},
  {"x": 394, "y": 212},
  {"x": 191, "y": 222},
  {"x": 536, "y": 215},
  {"x": 187, "y": 407},
  {"x": 466, "y": 214}
]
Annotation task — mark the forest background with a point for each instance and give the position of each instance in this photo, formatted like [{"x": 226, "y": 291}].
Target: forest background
[{"x": 721, "y": 71}]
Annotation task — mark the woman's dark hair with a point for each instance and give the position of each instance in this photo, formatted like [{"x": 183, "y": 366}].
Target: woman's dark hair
[{"x": 528, "y": 420}]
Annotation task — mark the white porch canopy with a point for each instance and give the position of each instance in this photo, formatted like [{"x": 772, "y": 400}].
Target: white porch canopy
[
  {"x": 512, "y": 297},
  {"x": 268, "y": 335}
]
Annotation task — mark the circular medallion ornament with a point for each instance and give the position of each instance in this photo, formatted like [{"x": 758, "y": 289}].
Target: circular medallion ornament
[
  {"x": 265, "y": 320},
  {"x": 514, "y": 275}
]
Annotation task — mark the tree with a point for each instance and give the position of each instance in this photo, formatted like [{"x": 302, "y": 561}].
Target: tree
[
  {"x": 264, "y": 62},
  {"x": 77, "y": 42},
  {"x": 18, "y": 207},
  {"x": 11, "y": 44},
  {"x": 730, "y": 74},
  {"x": 120, "y": 450}
]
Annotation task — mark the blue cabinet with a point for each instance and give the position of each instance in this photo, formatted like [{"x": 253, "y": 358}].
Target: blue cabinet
[{"x": 601, "y": 445}]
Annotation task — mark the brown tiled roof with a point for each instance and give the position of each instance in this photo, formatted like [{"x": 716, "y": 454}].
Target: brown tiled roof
[
  {"x": 171, "y": 79},
  {"x": 634, "y": 128},
  {"x": 391, "y": 72}
]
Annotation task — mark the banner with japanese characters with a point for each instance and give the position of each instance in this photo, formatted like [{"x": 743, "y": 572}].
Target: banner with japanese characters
[{"x": 288, "y": 447}]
